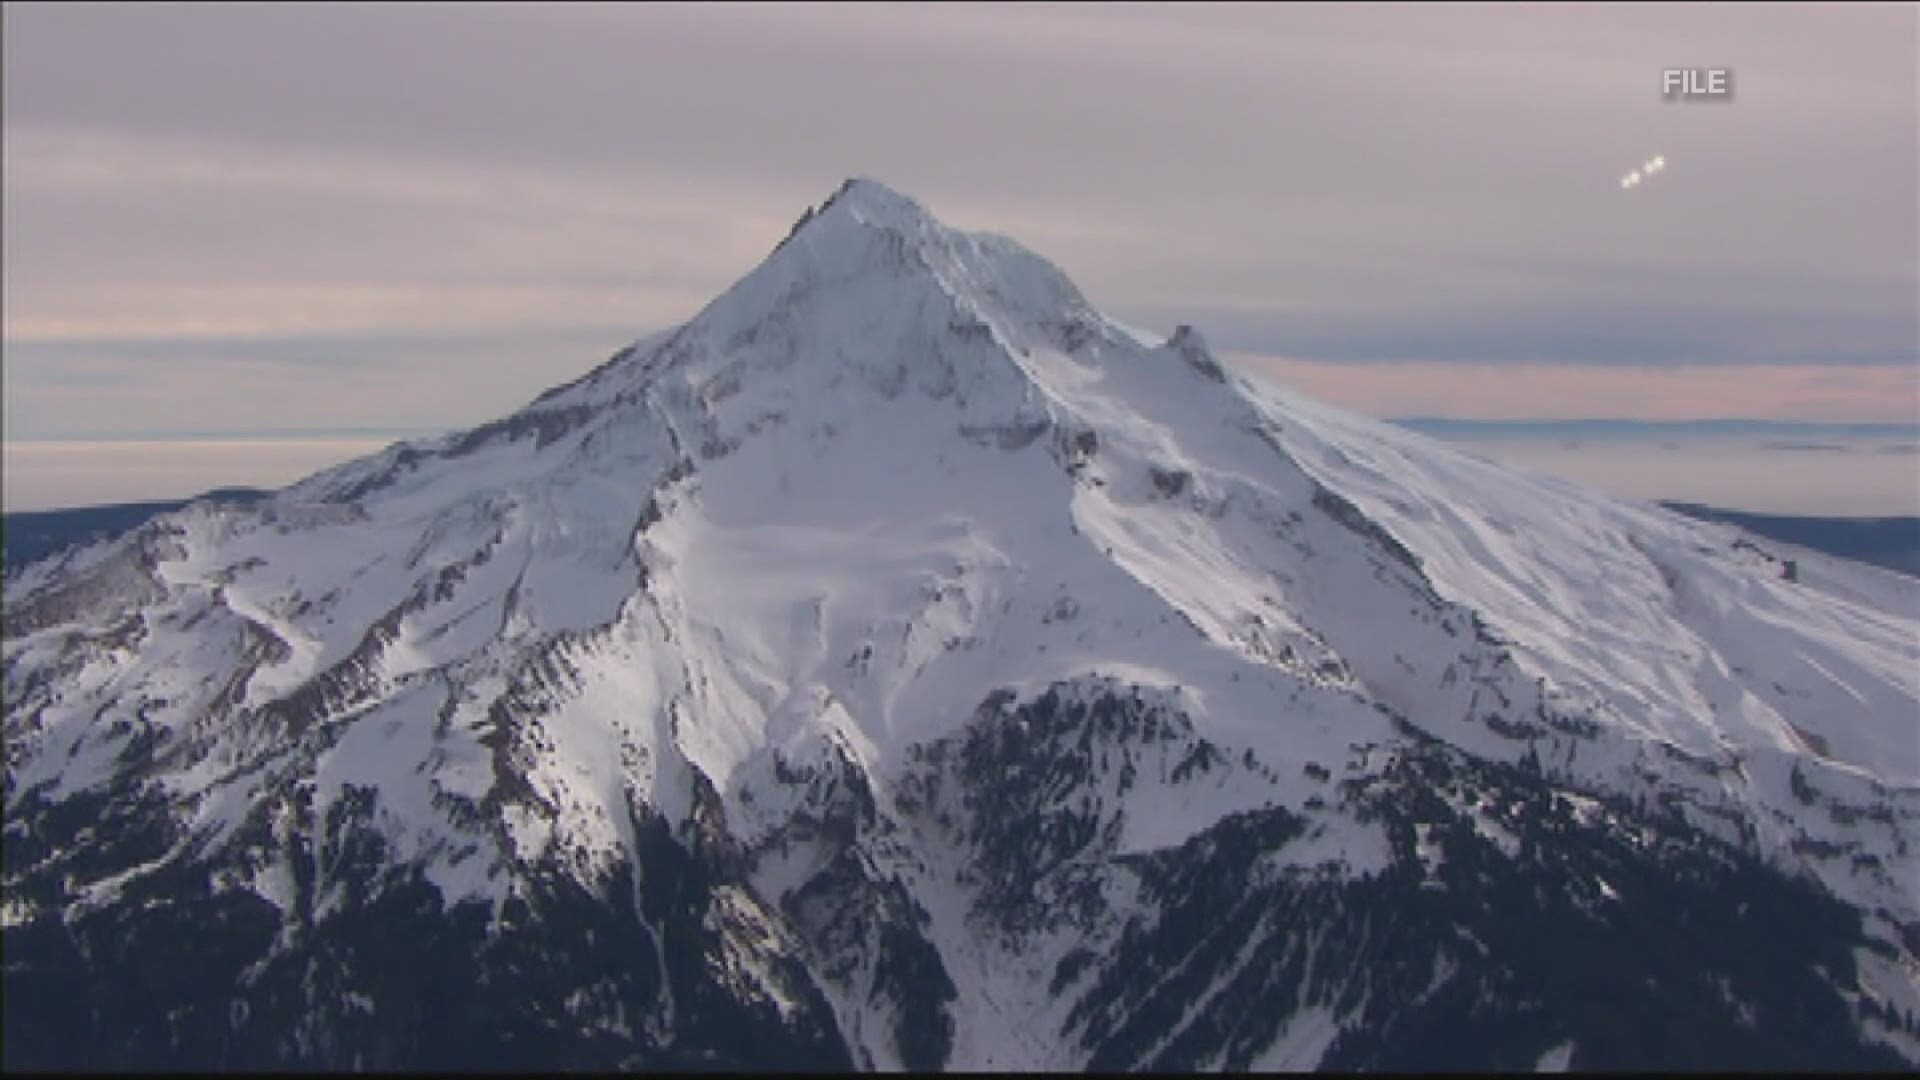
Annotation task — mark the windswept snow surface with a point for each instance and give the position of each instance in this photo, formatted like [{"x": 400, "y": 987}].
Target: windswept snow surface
[{"x": 895, "y": 468}]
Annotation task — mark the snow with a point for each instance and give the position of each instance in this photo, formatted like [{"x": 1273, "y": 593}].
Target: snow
[
  {"x": 1555, "y": 1059},
  {"x": 1302, "y": 1042},
  {"x": 14, "y": 912},
  {"x": 895, "y": 468}
]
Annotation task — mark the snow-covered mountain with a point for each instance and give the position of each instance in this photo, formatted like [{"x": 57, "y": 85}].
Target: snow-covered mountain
[{"x": 903, "y": 664}]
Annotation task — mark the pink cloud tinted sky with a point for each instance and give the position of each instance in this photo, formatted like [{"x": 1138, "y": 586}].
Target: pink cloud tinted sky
[
  {"x": 212, "y": 222},
  {"x": 1834, "y": 392}
]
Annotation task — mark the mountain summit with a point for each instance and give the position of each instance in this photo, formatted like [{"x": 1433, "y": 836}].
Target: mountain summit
[{"x": 902, "y": 664}]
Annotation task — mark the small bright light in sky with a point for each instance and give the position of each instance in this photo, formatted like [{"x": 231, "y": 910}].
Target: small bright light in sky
[{"x": 1652, "y": 165}]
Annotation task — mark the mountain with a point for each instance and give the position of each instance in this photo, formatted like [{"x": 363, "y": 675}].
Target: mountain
[
  {"x": 1892, "y": 542},
  {"x": 36, "y": 534},
  {"x": 901, "y": 664}
]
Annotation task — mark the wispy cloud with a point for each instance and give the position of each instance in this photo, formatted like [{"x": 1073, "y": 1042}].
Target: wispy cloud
[
  {"x": 1830, "y": 392},
  {"x": 1348, "y": 182}
]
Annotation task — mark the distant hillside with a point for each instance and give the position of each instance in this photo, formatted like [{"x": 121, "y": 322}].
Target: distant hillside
[
  {"x": 1892, "y": 542},
  {"x": 34, "y": 534}
]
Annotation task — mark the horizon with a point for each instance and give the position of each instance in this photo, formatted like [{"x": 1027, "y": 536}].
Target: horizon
[{"x": 1627, "y": 458}]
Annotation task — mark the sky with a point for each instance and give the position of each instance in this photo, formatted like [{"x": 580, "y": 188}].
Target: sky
[{"x": 277, "y": 221}]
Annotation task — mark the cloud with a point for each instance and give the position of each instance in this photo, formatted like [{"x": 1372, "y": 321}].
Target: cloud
[
  {"x": 1349, "y": 182},
  {"x": 46, "y": 475},
  {"x": 1690, "y": 328},
  {"x": 118, "y": 389},
  {"x": 1829, "y": 392},
  {"x": 140, "y": 236}
]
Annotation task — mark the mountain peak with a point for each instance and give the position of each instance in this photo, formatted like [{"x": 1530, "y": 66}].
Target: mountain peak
[
  {"x": 864, "y": 203},
  {"x": 869, "y": 232},
  {"x": 872, "y": 200}
]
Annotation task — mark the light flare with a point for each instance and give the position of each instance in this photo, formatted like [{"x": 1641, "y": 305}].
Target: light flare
[{"x": 1637, "y": 176}]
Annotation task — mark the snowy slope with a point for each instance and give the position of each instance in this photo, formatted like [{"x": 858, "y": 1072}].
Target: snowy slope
[{"x": 807, "y": 580}]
